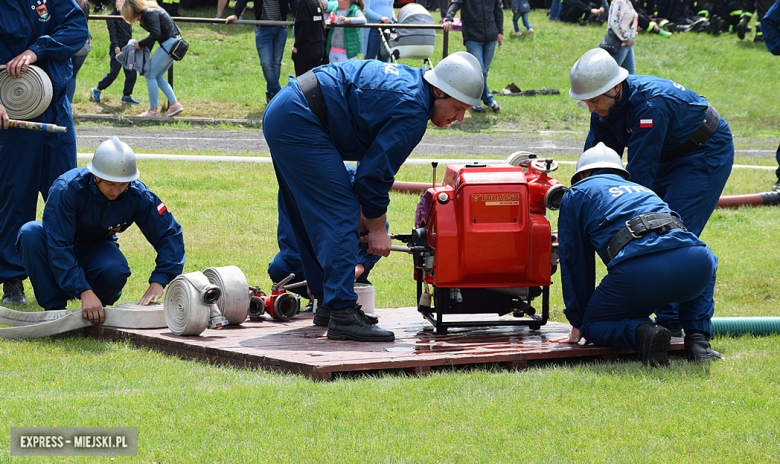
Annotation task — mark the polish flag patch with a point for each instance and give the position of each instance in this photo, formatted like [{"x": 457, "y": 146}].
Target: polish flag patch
[
  {"x": 161, "y": 208},
  {"x": 645, "y": 123}
]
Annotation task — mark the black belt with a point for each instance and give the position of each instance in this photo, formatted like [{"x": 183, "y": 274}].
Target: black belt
[
  {"x": 641, "y": 226},
  {"x": 311, "y": 90},
  {"x": 702, "y": 134}
]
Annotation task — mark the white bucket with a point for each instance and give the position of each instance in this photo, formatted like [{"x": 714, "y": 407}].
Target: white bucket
[{"x": 365, "y": 294}]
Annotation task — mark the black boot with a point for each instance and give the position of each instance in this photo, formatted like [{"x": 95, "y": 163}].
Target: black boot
[
  {"x": 759, "y": 35},
  {"x": 698, "y": 348},
  {"x": 653, "y": 341},
  {"x": 322, "y": 316},
  {"x": 777, "y": 186},
  {"x": 13, "y": 292},
  {"x": 742, "y": 27},
  {"x": 352, "y": 324}
]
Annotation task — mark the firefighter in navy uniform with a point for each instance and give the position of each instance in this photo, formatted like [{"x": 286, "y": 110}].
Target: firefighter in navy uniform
[
  {"x": 47, "y": 35},
  {"x": 651, "y": 259},
  {"x": 366, "y": 111},
  {"x": 678, "y": 145},
  {"x": 74, "y": 253},
  {"x": 771, "y": 22}
]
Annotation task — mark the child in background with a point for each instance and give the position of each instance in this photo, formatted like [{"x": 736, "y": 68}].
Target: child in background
[
  {"x": 344, "y": 42},
  {"x": 119, "y": 33},
  {"x": 520, "y": 9}
]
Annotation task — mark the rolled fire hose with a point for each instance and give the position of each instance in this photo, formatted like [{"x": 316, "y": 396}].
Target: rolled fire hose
[
  {"x": 745, "y": 325},
  {"x": 234, "y": 304},
  {"x": 190, "y": 304},
  {"x": 48, "y": 323},
  {"x": 27, "y": 96}
]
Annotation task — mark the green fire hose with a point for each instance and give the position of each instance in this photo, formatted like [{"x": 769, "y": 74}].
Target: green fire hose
[{"x": 745, "y": 325}]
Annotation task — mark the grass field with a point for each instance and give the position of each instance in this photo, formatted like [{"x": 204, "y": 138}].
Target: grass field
[{"x": 191, "y": 412}]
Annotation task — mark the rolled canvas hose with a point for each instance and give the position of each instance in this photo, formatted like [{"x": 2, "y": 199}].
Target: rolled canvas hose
[
  {"x": 28, "y": 96},
  {"x": 234, "y": 303},
  {"x": 48, "y": 323},
  {"x": 188, "y": 303}
]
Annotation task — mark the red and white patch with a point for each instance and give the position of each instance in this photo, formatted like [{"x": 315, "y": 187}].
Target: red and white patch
[
  {"x": 645, "y": 123},
  {"x": 161, "y": 208}
]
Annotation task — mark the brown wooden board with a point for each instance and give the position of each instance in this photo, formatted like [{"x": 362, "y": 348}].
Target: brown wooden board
[{"x": 298, "y": 346}]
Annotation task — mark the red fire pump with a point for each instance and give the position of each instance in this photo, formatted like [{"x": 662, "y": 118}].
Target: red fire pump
[
  {"x": 280, "y": 305},
  {"x": 483, "y": 243}
]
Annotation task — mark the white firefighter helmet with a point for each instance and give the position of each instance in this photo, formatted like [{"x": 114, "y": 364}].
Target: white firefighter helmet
[
  {"x": 114, "y": 161},
  {"x": 460, "y": 76},
  {"x": 599, "y": 157},
  {"x": 594, "y": 74}
]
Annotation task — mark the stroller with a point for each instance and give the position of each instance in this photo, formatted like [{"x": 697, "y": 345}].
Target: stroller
[{"x": 409, "y": 43}]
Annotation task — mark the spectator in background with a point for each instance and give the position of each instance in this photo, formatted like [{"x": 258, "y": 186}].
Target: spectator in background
[
  {"x": 583, "y": 12},
  {"x": 162, "y": 30},
  {"x": 221, "y": 4},
  {"x": 623, "y": 22},
  {"x": 343, "y": 43},
  {"x": 376, "y": 11},
  {"x": 46, "y": 154},
  {"x": 483, "y": 28},
  {"x": 269, "y": 40},
  {"x": 520, "y": 9},
  {"x": 78, "y": 59},
  {"x": 309, "y": 32},
  {"x": 170, "y": 6},
  {"x": 119, "y": 34},
  {"x": 555, "y": 10},
  {"x": 771, "y": 25}
]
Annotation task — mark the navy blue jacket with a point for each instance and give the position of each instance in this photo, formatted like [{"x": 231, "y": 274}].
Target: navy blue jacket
[
  {"x": 54, "y": 30},
  {"x": 655, "y": 116},
  {"x": 78, "y": 213},
  {"x": 592, "y": 211},
  {"x": 376, "y": 118}
]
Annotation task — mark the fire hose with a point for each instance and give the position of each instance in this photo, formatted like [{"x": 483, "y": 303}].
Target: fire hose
[
  {"x": 234, "y": 303},
  {"x": 191, "y": 305},
  {"x": 27, "y": 96},
  {"x": 48, "y": 323}
]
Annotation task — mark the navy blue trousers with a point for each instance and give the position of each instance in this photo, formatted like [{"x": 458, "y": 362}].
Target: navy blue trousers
[
  {"x": 104, "y": 266},
  {"x": 315, "y": 192},
  {"x": 635, "y": 288}
]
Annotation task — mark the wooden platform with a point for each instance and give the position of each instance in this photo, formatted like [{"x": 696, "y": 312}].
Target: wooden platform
[{"x": 298, "y": 346}]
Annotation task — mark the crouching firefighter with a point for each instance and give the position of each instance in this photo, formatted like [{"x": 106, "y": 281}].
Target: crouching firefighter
[
  {"x": 366, "y": 111},
  {"x": 651, "y": 259},
  {"x": 73, "y": 252}
]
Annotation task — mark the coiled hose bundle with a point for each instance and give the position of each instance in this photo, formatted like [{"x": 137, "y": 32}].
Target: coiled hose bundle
[
  {"x": 27, "y": 96},
  {"x": 190, "y": 303},
  {"x": 234, "y": 303}
]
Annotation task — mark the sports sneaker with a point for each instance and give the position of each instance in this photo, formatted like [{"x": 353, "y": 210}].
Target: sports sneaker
[
  {"x": 518, "y": 33},
  {"x": 531, "y": 31},
  {"x": 653, "y": 342},
  {"x": 174, "y": 109},
  {"x": 150, "y": 113},
  {"x": 130, "y": 100},
  {"x": 495, "y": 107},
  {"x": 478, "y": 109},
  {"x": 96, "y": 95},
  {"x": 777, "y": 186},
  {"x": 664, "y": 33},
  {"x": 13, "y": 292}
]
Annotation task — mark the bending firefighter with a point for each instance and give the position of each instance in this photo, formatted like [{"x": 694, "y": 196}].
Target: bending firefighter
[
  {"x": 677, "y": 144},
  {"x": 74, "y": 253},
  {"x": 651, "y": 259},
  {"x": 366, "y": 111}
]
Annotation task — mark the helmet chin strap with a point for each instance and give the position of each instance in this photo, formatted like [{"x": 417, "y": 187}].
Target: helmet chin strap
[{"x": 617, "y": 95}]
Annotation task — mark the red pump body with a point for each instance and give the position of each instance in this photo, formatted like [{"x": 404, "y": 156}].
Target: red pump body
[{"x": 486, "y": 231}]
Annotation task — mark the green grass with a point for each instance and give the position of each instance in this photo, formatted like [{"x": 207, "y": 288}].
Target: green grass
[
  {"x": 618, "y": 412},
  {"x": 221, "y": 75}
]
